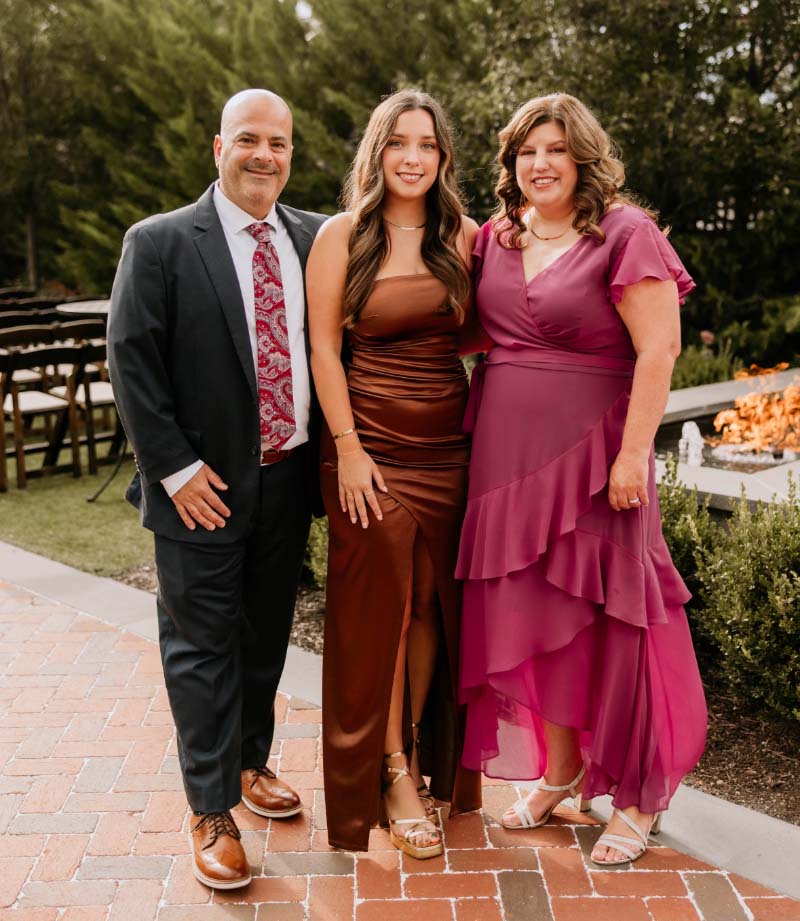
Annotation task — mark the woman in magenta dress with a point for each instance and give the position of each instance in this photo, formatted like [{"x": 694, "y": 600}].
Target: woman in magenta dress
[{"x": 577, "y": 664}]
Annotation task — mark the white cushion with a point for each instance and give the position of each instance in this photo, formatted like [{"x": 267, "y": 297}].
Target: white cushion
[
  {"x": 34, "y": 401},
  {"x": 27, "y": 376},
  {"x": 101, "y": 393}
]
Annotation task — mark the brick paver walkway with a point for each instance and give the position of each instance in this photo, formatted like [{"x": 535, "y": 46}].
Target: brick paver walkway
[{"x": 93, "y": 819}]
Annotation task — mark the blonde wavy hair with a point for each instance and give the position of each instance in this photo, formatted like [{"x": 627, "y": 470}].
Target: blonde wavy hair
[
  {"x": 601, "y": 174},
  {"x": 363, "y": 195}
]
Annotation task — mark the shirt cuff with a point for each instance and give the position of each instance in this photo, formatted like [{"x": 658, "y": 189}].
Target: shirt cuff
[{"x": 174, "y": 481}]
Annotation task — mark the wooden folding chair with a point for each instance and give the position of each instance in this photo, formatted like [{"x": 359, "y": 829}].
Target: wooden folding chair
[
  {"x": 89, "y": 395},
  {"x": 16, "y": 318},
  {"x": 81, "y": 330},
  {"x": 21, "y": 405},
  {"x": 28, "y": 336}
]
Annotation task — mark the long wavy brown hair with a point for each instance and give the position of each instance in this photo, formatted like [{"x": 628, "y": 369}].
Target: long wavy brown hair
[
  {"x": 363, "y": 195},
  {"x": 601, "y": 174}
]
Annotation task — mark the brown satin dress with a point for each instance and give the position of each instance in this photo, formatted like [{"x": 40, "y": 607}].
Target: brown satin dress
[{"x": 408, "y": 391}]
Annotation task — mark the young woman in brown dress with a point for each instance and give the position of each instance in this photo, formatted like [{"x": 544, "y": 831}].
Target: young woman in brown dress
[{"x": 387, "y": 284}]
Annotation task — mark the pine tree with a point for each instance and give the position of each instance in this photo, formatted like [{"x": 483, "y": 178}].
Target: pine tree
[
  {"x": 155, "y": 107},
  {"x": 38, "y": 44}
]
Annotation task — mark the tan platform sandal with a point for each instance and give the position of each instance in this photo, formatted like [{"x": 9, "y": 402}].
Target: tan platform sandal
[
  {"x": 417, "y": 827},
  {"x": 423, "y": 792},
  {"x": 523, "y": 813},
  {"x": 632, "y": 848}
]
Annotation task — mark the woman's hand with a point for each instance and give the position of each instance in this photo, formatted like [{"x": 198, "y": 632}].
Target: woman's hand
[
  {"x": 357, "y": 471},
  {"x": 627, "y": 481}
]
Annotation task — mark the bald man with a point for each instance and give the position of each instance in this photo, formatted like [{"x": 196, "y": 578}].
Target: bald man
[{"x": 208, "y": 351}]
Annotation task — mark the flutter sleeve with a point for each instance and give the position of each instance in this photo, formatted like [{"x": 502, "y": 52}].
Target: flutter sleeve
[{"x": 647, "y": 254}]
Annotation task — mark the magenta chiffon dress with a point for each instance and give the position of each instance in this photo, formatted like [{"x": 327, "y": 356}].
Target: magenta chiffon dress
[{"x": 572, "y": 612}]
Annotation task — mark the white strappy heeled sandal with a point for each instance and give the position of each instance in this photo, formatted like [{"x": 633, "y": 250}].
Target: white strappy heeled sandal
[
  {"x": 632, "y": 848},
  {"x": 523, "y": 812}
]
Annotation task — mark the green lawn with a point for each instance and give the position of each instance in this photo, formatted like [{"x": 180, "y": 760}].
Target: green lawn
[{"x": 53, "y": 518}]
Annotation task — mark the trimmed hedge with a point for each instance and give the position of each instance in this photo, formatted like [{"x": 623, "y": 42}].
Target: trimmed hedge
[
  {"x": 701, "y": 364},
  {"x": 745, "y": 576}
]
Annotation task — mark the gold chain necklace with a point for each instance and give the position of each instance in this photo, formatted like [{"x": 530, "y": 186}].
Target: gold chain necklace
[
  {"x": 558, "y": 236},
  {"x": 400, "y": 226}
]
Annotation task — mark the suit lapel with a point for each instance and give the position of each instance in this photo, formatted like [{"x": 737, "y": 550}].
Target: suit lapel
[
  {"x": 299, "y": 234},
  {"x": 302, "y": 239},
  {"x": 216, "y": 256}
]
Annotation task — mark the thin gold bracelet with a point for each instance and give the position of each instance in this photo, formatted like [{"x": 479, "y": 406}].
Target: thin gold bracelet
[{"x": 342, "y": 434}]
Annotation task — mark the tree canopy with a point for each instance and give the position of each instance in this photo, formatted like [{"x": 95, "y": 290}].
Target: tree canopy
[{"x": 108, "y": 109}]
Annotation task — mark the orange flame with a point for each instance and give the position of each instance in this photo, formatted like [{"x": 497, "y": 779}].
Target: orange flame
[
  {"x": 762, "y": 421},
  {"x": 758, "y": 371}
]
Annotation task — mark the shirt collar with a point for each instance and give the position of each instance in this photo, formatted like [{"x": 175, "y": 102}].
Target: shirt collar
[{"x": 233, "y": 218}]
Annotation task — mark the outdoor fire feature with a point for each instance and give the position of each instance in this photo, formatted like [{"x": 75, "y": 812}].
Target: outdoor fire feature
[{"x": 743, "y": 432}]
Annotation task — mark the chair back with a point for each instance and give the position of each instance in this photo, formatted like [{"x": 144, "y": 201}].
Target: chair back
[
  {"x": 38, "y": 303},
  {"x": 40, "y": 357},
  {"x": 28, "y": 318},
  {"x": 57, "y": 354},
  {"x": 16, "y": 318},
  {"x": 20, "y": 337},
  {"x": 46, "y": 316},
  {"x": 94, "y": 352},
  {"x": 81, "y": 330},
  {"x": 14, "y": 293}
]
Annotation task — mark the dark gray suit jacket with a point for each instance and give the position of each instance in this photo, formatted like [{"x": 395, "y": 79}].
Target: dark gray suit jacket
[{"x": 182, "y": 367}]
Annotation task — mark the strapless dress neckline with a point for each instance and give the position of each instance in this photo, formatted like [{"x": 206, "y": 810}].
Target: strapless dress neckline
[{"x": 406, "y": 275}]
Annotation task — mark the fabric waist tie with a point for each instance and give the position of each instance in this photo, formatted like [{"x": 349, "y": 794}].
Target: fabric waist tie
[
  {"x": 533, "y": 357},
  {"x": 544, "y": 357}
]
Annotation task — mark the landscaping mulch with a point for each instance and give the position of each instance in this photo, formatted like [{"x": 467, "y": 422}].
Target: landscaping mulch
[{"x": 749, "y": 759}]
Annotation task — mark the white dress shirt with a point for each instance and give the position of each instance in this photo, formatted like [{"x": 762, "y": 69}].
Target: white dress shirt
[{"x": 242, "y": 245}]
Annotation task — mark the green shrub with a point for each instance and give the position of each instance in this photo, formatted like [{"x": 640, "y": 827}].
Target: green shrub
[
  {"x": 699, "y": 364},
  {"x": 688, "y": 528},
  {"x": 750, "y": 575},
  {"x": 317, "y": 551},
  {"x": 767, "y": 332}
]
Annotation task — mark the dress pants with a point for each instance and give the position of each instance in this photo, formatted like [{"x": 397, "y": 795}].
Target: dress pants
[{"x": 224, "y": 617}]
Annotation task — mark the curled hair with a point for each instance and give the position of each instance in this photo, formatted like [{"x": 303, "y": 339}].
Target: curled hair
[
  {"x": 601, "y": 174},
  {"x": 363, "y": 196}
]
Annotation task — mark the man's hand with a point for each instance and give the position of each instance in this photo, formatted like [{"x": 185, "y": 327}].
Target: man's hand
[{"x": 197, "y": 503}]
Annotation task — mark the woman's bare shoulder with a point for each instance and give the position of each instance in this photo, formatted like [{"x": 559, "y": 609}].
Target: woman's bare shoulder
[
  {"x": 470, "y": 231},
  {"x": 337, "y": 227}
]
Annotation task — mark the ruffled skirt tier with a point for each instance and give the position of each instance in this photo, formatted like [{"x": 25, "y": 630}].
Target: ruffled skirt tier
[{"x": 572, "y": 613}]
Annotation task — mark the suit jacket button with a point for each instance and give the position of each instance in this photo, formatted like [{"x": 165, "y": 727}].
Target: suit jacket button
[{"x": 254, "y": 451}]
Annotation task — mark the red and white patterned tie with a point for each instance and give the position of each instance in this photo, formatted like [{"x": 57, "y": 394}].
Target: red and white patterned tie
[{"x": 274, "y": 372}]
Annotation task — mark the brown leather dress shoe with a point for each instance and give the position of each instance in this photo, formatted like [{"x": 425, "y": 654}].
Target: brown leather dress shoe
[
  {"x": 218, "y": 858},
  {"x": 267, "y": 795}
]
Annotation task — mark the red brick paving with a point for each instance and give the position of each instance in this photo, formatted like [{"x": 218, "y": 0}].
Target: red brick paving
[{"x": 93, "y": 820}]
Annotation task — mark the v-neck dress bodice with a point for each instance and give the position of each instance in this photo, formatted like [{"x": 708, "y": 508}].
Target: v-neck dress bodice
[
  {"x": 572, "y": 612},
  {"x": 570, "y": 304}
]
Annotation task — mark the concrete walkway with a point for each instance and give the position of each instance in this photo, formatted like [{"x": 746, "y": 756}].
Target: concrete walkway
[{"x": 93, "y": 818}]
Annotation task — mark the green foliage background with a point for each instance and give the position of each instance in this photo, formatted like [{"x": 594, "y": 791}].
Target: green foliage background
[
  {"x": 745, "y": 579},
  {"x": 108, "y": 108}
]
